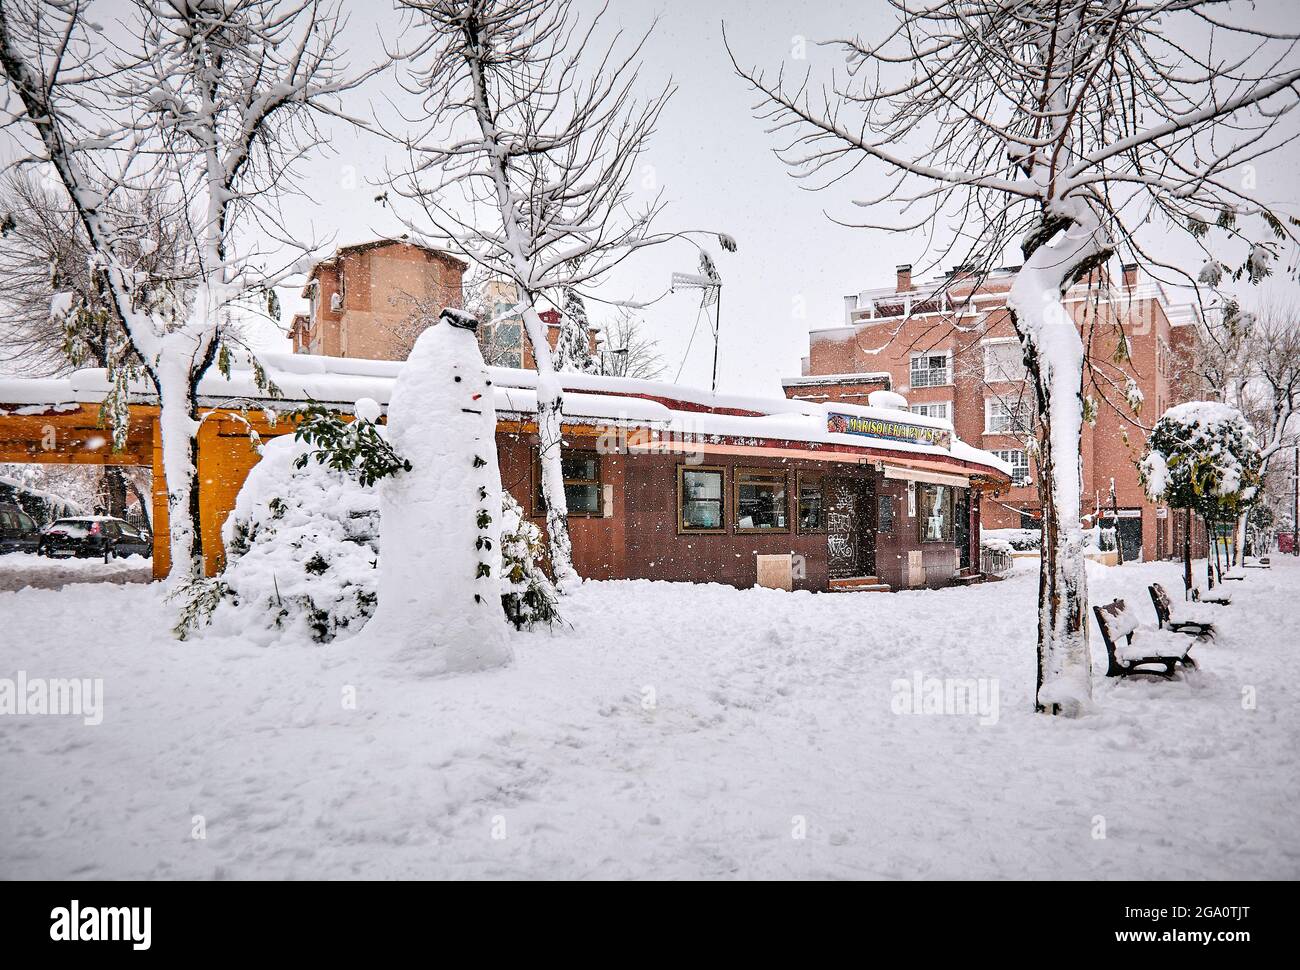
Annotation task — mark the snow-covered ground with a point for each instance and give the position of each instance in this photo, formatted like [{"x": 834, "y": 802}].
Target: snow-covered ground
[
  {"x": 21, "y": 569},
  {"x": 672, "y": 731}
]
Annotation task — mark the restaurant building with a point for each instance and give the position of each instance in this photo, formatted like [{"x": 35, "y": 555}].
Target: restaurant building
[{"x": 663, "y": 482}]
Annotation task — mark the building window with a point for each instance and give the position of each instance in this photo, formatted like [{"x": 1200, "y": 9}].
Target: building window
[
  {"x": 700, "y": 492},
  {"x": 812, "y": 514},
  {"x": 934, "y": 503},
  {"x": 1018, "y": 459},
  {"x": 1004, "y": 361},
  {"x": 501, "y": 344},
  {"x": 1006, "y": 417},
  {"x": 761, "y": 502},
  {"x": 931, "y": 370},
  {"x": 940, "y": 410},
  {"x": 582, "y": 489}
]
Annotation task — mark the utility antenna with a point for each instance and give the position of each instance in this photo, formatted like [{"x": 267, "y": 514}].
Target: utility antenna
[{"x": 709, "y": 283}]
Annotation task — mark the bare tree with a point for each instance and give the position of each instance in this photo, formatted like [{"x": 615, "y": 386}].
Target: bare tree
[
  {"x": 45, "y": 262},
  {"x": 627, "y": 351},
  {"x": 206, "y": 106},
  {"x": 1061, "y": 127},
  {"x": 523, "y": 164},
  {"x": 1271, "y": 396}
]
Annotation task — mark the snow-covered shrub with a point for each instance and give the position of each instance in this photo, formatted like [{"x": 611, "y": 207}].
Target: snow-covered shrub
[
  {"x": 358, "y": 446},
  {"x": 302, "y": 545},
  {"x": 526, "y": 594}
]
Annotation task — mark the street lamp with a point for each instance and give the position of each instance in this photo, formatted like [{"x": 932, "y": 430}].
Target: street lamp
[{"x": 606, "y": 354}]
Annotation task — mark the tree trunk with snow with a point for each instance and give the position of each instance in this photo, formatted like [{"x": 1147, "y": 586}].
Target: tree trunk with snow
[
  {"x": 550, "y": 447},
  {"x": 1054, "y": 355},
  {"x": 1239, "y": 546},
  {"x": 178, "y": 427}
]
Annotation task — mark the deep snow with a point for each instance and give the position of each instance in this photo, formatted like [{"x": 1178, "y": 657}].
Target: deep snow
[{"x": 767, "y": 708}]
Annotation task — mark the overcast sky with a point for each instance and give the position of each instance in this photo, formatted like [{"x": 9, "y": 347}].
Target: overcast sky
[{"x": 715, "y": 165}]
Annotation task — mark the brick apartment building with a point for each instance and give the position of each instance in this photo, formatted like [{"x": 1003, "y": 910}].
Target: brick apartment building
[
  {"x": 948, "y": 345},
  {"x": 366, "y": 299},
  {"x": 371, "y": 301}
]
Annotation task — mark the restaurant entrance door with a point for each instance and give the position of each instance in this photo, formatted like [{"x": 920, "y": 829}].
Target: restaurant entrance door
[{"x": 851, "y": 527}]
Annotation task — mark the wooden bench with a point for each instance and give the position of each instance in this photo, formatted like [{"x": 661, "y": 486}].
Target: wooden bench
[
  {"x": 1217, "y": 598},
  {"x": 1160, "y": 648},
  {"x": 1167, "y": 621},
  {"x": 1260, "y": 563}
]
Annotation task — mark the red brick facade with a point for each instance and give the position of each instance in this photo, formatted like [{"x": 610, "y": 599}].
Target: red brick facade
[{"x": 948, "y": 345}]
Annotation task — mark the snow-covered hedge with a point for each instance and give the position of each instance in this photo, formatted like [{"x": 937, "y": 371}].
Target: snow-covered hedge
[
  {"x": 1022, "y": 540},
  {"x": 302, "y": 546},
  {"x": 1099, "y": 539}
]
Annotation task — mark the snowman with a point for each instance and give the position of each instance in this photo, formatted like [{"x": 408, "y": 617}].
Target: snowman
[{"x": 440, "y": 562}]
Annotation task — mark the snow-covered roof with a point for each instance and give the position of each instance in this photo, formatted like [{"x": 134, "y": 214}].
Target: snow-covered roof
[
  {"x": 621, "y": 401},
  {"x": 861, "y": 377}
]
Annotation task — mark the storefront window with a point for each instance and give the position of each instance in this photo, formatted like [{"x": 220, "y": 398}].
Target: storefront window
[
  {"x": 934, "y": 508},
  {"x": 812, "y": 517},
  {"x": 699, "y": 499},
  {"x": 761, "y": 504},
  {"x": 582, "y": 491}
]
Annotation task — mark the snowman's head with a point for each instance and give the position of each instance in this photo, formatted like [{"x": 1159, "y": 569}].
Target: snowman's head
[{"x": 462, "y": 319}]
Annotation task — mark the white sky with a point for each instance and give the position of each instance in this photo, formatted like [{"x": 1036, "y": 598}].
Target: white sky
[{"x": 714, "y": 161}]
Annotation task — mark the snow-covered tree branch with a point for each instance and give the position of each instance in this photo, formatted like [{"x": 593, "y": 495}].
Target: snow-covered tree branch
[{"x": 204, "y": 106}]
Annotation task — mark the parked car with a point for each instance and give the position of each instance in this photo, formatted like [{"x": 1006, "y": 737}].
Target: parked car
[
  {"x": 18, "y": 530},
  {"x": 98, "y": 536}
]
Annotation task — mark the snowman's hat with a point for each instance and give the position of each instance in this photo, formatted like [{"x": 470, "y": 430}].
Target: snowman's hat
[{"x": 459, "y": 318}]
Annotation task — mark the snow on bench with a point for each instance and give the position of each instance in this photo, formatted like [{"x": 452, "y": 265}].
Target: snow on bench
[
  {"x": 1155, "y": 648},
  {"x": 1182, "y": 618}
]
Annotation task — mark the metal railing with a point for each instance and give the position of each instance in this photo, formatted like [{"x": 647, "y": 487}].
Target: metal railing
[{"x": 994, "y": 562}]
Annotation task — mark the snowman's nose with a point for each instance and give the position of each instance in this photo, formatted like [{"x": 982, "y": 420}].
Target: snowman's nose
[{"x": 476, "y": 397}]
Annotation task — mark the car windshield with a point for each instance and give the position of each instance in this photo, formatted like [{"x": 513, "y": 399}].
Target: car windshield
[{"x": 72, "y": 527}]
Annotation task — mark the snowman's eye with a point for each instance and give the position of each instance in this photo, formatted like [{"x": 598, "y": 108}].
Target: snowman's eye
[{"x": 457, "y": 378}]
